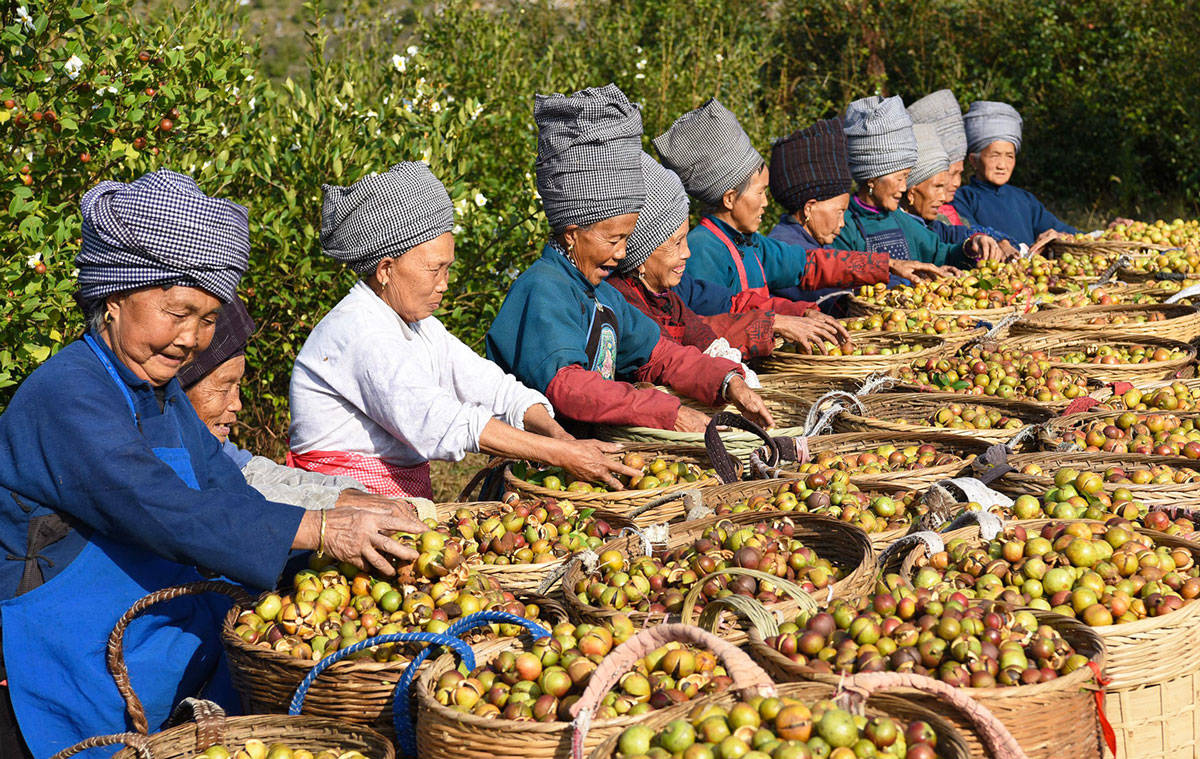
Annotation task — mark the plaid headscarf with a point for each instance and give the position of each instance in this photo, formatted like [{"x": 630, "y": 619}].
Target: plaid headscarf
[
  {"x": 810, "y": 164},
  {"x": 384, "y": 215},
  {"x": 931, "y": 156},
  {"x": 942, "y": 110},
  {"x": 709, "y": 151},
  {"x": 988, "y": 121},
  {"x": 879, "y": 138},
  {"x": 232, "y": 332},
  {"x": 589, "y": 156},
  {"x": 160, "y": 229},
  {"x": 665, "y": 209}
]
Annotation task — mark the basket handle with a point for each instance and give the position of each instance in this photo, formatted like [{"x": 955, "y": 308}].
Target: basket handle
[
  {"x": 690, "y": 497},
  {"x": 747, "y": 676},
  {"x": 727, "y": 467},
  {"x": 208, "y": 716},
  {"x": 992, "y": 464},
  {"x": 116, "y": 640},
  {"x": 928, "y": 538},
  {"x": 854, "y": 690},
  {"x": 489, "y": 480},
  {"x": 402, "y": 719},
  {"x": 710, "y": 615},
  {"x": 135, "y": 741}
]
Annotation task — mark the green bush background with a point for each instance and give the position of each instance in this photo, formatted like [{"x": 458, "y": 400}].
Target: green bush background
[{"x": 1108, "y": 89}]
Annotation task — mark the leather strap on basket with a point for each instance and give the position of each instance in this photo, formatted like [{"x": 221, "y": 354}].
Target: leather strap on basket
[
  {"x": 116, "y": 639},
  {"x": 727, "y": 467},
  {"x": 690, "y": 497},
  {"x": 1106, "y": 728},
  {"x": 992, "y": 464},
  {"x": 139, "y": 743},
  {"x": 748, "y": 678},
  {"x": 209, "y": 718},
  {"x": 854, "y": 691},
  {"x": 489, "y": 480}
]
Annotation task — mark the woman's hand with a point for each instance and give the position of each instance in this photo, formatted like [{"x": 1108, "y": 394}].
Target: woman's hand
[
  {"x": 914, "y": 271},
  {"x": 1044, "y": 238},
  {"x": 984, "y": 248},
  {"x": 359, "y": 536},
  {"x": 1010, "y": 252},
  {"x": 538, "y": 419},
  {"x": 749, "y": 403},
  {"x": 588, "y": 460},
  {"x": 397, "y": 507},
  {"x": 688, "y": 419},
  {"x": 806, "y": 332}
]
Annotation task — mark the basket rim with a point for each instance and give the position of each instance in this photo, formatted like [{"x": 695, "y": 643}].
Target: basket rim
[{"x": 612, "y": 497}]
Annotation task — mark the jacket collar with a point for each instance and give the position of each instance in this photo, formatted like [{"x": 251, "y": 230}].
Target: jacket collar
[
  {"x": 556, "y": 256},
  {"x": 135, "y": 383},
  {"x": 858, "y": 208},
  {"x": 790, "y": 221},
  {"x": 734, "y": 235},
  {"x": 983, "y": 184}
]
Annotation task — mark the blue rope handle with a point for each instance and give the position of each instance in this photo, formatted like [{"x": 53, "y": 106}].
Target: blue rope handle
[
  {"x": 405, "y": 736},
  {"x": 401, "y": 709}
]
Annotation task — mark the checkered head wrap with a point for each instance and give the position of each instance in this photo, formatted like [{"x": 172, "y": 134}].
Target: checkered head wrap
[
  {"x": 589, "y": 156},
  {"x": 931, "y": 156},
  {"x": 879, "y": 138},
  {"x": 989, "y": 121},
  {"x": 665, "y": 209},
  {"x": 160, "y": 229},
  {"x": 942, "y": 110},
  {"x": 709, "y": 151},
  {"x": 384, "y": 215},
  {"x": 233, "y": 331},
  {"x": 810, "y": 164}
]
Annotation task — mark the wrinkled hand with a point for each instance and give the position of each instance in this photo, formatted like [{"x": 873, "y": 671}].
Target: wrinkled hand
[
  {"x": 1010, "y": 251},
  {"x": 1045, "y": 237},
  {"x": 397, "y": 507},
  {"x": 809, "y": 332},
  {"x": 749, "y": 403},
  {"x": 984, "y": 248},
  {"x": 914, "y": 271},
  {"x": 689, "y": 419},
  {"x": 361, "y": 536},
  {"x": 588, "y": 460}
]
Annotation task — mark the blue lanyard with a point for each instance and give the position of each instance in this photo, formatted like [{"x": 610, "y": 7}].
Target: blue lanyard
[{"x": 116, "y": 378}]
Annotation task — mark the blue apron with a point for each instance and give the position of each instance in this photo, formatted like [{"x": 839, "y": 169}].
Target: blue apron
[
  {"x": 890, "y": 241},
  {"x": 55, "y": 636}
]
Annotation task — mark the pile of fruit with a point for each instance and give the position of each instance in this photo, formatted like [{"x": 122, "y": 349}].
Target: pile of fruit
[
  {"x": 542, "y": 684},
  {"x": 858, "y": 347},
  {"x": 988, "y": 286},
  {"x": 1163, "y": 434},
  {"x": 884, "y": 458},
  {"x": 256, "y": 749},
  {"x": 1176, "y": 397},
  {"x": 778, "y": 728},
  {"x": 657, "y": 584},
  {"x": 1121, "y": 318},
  {"x": 1099, "y": 296},
  {"x": 1121, "y": 354},
  {"x": 533, "y": 532},
  {"x": 968, "y": 416},
  {"x": 1179, "y": 233},
  {"x": 920, "y": 320},
  {"x": 830, "y": 493},
  {"x": 1010, "y": 373},
  {"x": 656, "y": 473},
  {"x": 1069, "y": 265},
  {"x": 1103, "y": 573},
  {"x": 905, "y": 631}
]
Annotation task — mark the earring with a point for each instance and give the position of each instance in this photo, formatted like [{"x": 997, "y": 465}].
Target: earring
[
  {"x": 108, "y": 317},
  {"x": 870, "y": 188}
]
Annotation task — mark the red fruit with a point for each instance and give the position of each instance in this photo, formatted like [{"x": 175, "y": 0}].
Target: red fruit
[
  {"x": 40, "y": 267},
  {"x": 25, "y": 169},
  {"x": 143, "y": 56},
  {"x": 85, "y": 157},
  {"x": 173, "y": 113},
  {"x": 139, "y": 143},
  {"x": 10, "y": 104},
  {"x": 166, "y": 125},
  {"x": 51, "y": 116},
  {"x": 37, "y": 115},
  {"x": 150, "y": 92},
  {"x": 26, "y": 180}
]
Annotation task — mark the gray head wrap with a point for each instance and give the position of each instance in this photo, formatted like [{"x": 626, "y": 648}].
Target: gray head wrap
[
  {"x": 879, "y": 138},
  {"x": 666, "y": 208},
  {"x": 160, "y": 229},
  {"x": 709, "y": 151},
  {"x": 931, "y": 156},
  {"x": 988, "y": 121},
  {"x": 384, "y": 215},
  {"x": 589, "y": 156},
  {"x": 942, "y": 110}
]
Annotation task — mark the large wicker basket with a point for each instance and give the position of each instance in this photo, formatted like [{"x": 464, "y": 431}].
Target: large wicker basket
[
  {"x": 1056, "y": 343},
  {"x": 895, "y": 412},
  {"x": 1060, "y": 245},
  {"x": 1051, "y": 435},
  {"x": 846, "y": 547},
  {"x": 857, "y": 306},
  {"x": 1050, "y": 720},
  {"x": 963, "y": 448},
  {"x": 1176, "y": 322},
  {"x": 838, "y": 367},
  {"x": 1166, "y": 494}
]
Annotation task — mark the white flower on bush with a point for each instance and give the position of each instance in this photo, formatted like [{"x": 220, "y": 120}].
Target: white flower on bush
[
  {"x": 371, "y": 115},
  {"x": 720, "y": 58},
  {"x": 457, "y": 230},
  {"x": 252, "y": 101},
  {"x": 24, "y": 18},
  {"x": 639, "y": 75},
  {"x": 435, "y": 106},
  {"x": 72, "y": 67},
  {"x": 641, "y": 64},
  {"x": 480, "y": 199},
  {"x": 412, "y": 50},
  {"x": 511, "y": 272},
  {"x": 34, "y": 260},
  {"x": 400, "y": 63}
]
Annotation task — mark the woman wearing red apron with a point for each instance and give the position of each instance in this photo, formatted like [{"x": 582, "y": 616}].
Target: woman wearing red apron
[{"x": 111, "y": 487}]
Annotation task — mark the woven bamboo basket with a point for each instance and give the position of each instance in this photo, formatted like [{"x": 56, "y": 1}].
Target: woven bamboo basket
[
  {"x": 840, "y": 367},
  {"x": 1152, "y": 699},
  {"x": 1050, "y": 720},
  {"x": 886, "y": 413},
  {"x": 1051, "y": 434},
  {"x": 738, "y": 443},
  {"x": 444, "y": 733},
  {"x": 859, "y": 307},
  {"x": 953, "y": 340},
  {"x": 963, "y": 448},
  {"x": 1104, "y": 395},
  {"x": 1178, "y": 322},
  {"x": 845, "y": 546},
  {"x": 1167, "y": 494},
  {"x": 1055, "y": 344},
  {"x": 1060, "y": 245},
  {"x": 951, "y": 743}
]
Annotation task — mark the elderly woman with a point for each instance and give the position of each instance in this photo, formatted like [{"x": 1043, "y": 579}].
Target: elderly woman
[
  {"x": 113, "y": 488},
  {"x": 714, "y": 158},
  {"x": 563, "y": 328},
  {"x": 380, "y": 387},
  {"x": 994, "y": 139},
  {"x": 882, "y": 151},
  {"x": 941, "y": 109},
  {"x": 212, "y": 382},
  {"x": 655, "y": 258}
]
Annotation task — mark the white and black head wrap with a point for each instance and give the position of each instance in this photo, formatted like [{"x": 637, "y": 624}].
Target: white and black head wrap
[
  {"x": 989, "y": 121},
  {"x": 160, "y": 229},
  {"x": 931, "y": 156},
  {"x": 942, "y": 110},
  {"x": 589, "y": 156},
  {"x": 384, "y": 215},
  {"x": 879, "y": 138},
  {"x": 665, "y": 209},
  {"x": 709, "y": 151}
]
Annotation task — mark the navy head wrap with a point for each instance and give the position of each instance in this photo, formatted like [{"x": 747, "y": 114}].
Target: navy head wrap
[
  {"x": 665, "y": 209},
  {"x": 160, "y": 229},
  {"x": 810, "y": 164},
  {"x": 232, "y": 332}
]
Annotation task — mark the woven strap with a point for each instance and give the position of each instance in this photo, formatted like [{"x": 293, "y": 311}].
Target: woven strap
[
  {"x": 876, "y": 381},
  {"x": 727, "y": 467},
  {"x": 586, "y": 557},
  {"x": 209, "y": 718},
  {"x": 931, "y": 540},
  {"x": 690, "y": 497},
  {"x": 1111, "y": 271},
  {"x": 992, "y": 464},
  {"x": 854, "y": 691},
  {"x": 139, "y": 743},
  {"x": 116, "y": 639},
  {"x": 710, "y": 615},
  {"x": 748, "y": 678},
  {"x": 791, "y": 449}
]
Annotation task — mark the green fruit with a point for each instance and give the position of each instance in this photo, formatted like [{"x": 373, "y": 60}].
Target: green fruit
[
  {"x": 677, "y": 736},
  {"x": 837, "y": 728},
  {"x": 635, "y": 741}
]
